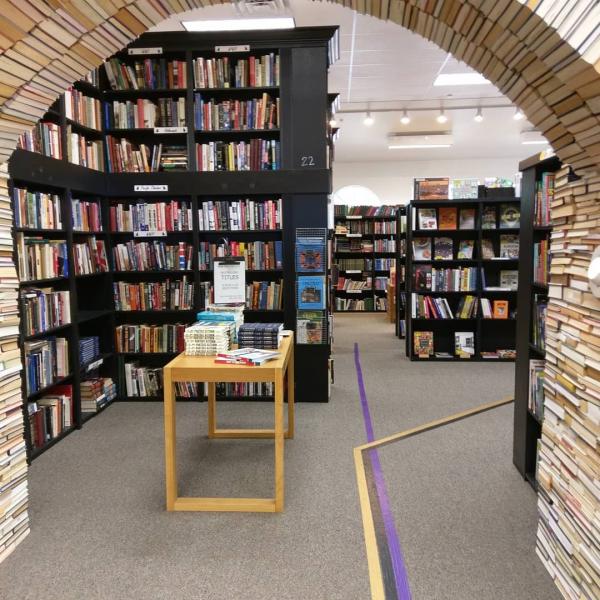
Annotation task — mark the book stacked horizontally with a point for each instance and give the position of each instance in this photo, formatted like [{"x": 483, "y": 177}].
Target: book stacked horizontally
[
  {"x": 207, "y": 338},
  {"x": 252, "y": 357},
  {"x": 224, "y": 312},
  {"x": 89, "y": 348},
  {"x": 260, "y": 335},
  {"x": 97, "y": 392}
]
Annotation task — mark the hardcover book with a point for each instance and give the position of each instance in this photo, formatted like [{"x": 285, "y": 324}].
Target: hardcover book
[
  {"x": 488, "y": 217},
  {"x": 311, "y": 293},
  {"x": 427, "y": 218},
  {"x": 464, "y": 344},
  {"x": 423, "y": 278},
  {"x": 443, "y": 248},
  {"x": 510, "y": 216},
  {"x": 309, "y": 327},
  {"x": 467, "y": 218},
  {"x": 431, "y": 188},
  {"x": 465, "y": 249},
  {"x": 423, "y": 343},
  {"x": 500, "y": 309},
  {"x": 447, "y": 216},
  {"x": 421, "y": 248},
  {"x": 310, "y": 257},
  {"x": 509, "y": 246},
  {"x": 487, "y": 249},
  {"x": 509, "y": 279},
  {"x": 464, "y": 188}
]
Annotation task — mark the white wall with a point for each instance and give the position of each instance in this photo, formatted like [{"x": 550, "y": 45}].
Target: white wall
[{"x": 393, "y": 181}]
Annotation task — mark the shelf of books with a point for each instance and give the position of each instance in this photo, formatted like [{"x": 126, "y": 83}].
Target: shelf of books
[
  {"x": 538, "y": 185},
  {"x": 398, "y": 274},
  {"x": 174, "y": 153},
  {"x": 462, "y": 269},
  {"x": 364, "y": 256}
]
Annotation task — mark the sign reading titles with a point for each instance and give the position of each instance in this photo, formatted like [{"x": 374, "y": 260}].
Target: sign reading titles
[{"x": 230, "y": 280}]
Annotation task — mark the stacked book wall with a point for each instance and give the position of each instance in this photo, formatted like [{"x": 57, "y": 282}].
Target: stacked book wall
[
  {"x": 568, "y": 467},
  {"x": 14, "y": 517}
]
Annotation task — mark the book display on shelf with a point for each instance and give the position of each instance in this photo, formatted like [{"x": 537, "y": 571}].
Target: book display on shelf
[
  {"x": 371, "y": 231},
  {"x": 148, "y": 116},
  {"x": 461, "y": 266},
  {"x": 537, "y": 191}
]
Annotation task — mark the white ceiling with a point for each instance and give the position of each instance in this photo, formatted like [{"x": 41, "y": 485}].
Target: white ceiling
[{"x": 385, "y": 66}]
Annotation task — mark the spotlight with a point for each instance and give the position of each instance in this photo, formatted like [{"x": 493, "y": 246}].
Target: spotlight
[
  {"x": 441, "y": 118},
  {"x": 518, "y": 115},
  {"x": 369, "y": 120},
  {"x": 479, "y": 116},
  {"x": 405, "y": 119}
]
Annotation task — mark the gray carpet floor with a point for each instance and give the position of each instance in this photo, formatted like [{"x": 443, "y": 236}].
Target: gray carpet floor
[{"x": 465, "y": 518}]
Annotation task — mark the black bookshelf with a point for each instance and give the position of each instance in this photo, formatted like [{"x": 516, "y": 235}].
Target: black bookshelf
[
  {"x": 367, "y": 222},
  {"x": 302, "y": 181},
  {"x": 527, "y": 422},
  {"x": 400, "y": 283},
  {"x": 490, "y": 334}
]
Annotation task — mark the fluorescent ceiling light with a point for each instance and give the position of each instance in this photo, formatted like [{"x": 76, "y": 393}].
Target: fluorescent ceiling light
[
  {"x": 534, "y": 142},
  {"x": 460, "y": 79},
  {"x": 529, "y": 138},
  {"x": 240, "y": 24},
  {"x": 518, "y": 116},
  {"x": 416, "y": 146}
]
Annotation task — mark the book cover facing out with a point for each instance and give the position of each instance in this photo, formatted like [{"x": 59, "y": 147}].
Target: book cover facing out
[
  {"x": 310, "y": 256},
  {"x": 311, "y": 293},
  {"x": 431, "y": 188}
]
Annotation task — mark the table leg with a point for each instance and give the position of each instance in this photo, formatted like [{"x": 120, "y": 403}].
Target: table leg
[
  {"x": 170, "y": 441},
  {"x": 290, "y": 394},
  {"x": 279, "y": 444},
  {"x": 212, "y": 408}
]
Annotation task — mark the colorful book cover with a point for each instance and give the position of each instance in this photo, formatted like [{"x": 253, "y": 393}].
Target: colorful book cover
[
  {"x": 509, "y": 246},
  {"x": 311, "y": 293},
  {"x": 465, "y": 249},
  {"x": 510, "y": 216},
  {"x": 464, "y": 188},
  {"x": 488, "y": 217},
  {"x": 500, "y": 309},
  {"x": 423, "y": 343},
  {"x": 509, "y": 279},
  {"x": 309, "y": 327},
  {"x": 467, "y": 218},
  {"x": 421, "y": 248},
  {"x": 464, "y": 344},
  {"x": 432, "y": 188},
  {"x": 427, "y": 218},
  {"x": 310, "y": 258},
  {"x": 443, "y": 248},
  {"x": 447, "y": 216},
  {"x": 423, "y": 278},
  {"x": 487, "y": 249}
]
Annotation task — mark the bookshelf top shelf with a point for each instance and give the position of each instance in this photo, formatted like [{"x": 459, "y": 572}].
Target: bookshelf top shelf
[
  {"x": 459, "y": 201},
  {"x": 266, "y": 88}
]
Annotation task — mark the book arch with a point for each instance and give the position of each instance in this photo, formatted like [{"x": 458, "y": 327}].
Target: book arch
[{"x": 551, "y": 72}]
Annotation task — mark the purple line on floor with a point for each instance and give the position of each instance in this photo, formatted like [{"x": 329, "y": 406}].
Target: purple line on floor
[{"x": 398, "y": 566}]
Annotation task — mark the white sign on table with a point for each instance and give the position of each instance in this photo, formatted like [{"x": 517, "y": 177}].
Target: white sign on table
[{"x": 230, "y": 280}]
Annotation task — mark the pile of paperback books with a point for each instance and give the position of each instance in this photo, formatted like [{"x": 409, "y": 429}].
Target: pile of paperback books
[
  {"x": 260, "y": 335},
  {"x": 207, "y": 338}
]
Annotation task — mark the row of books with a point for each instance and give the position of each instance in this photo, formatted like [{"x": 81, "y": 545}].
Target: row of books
[
  {"x": 381, "y": 283},
  {"x": 151, "y": 73},
  {"x": 83, "y": 109},
  {"x": 257, "y": 113},
  {"x": 384, "y": 264},
  {"x": 342, "y": 245},
  {"x": 431, "y": 307},
  {"x": 240, "y": 215},
  {"x": 544, "y": 194},
  {"x": 147, "y": 382},
  {"x": 127, "y": 157},
  {"x": 445, "y": 248},
  {"x": 254, "y": 71},
  {"x": 538, "y": 321},
  {"x": 265, "y": 336},
  {"x": 255, "y": 155},
  {"x": 428, "y": 278},
  {"x": 152, "y": 256},
  {"x": 347, "y": 284},
  {"x": 51, "y": 415},
  {"x": 142, "y": 216},
  {"x": 355, "y": 264},
  {"x": 150, "y": 338},
  {"x": 165, "y": 295},
  {"x": 90, "y": 257},
  {"x": 145, "y": 114},
  {"x": 245, "y": 389},
  {"x": 369, "y": 227},
  {"x": 443, "y": 188},
  {"x": 343, "y": 210},
  {"x": 541, "y": 262},
  {"x": 44, "y": 309},
  {"x": 40, "y": 258},
  {"x": 36, "y": 210},
  {"x": 259, "y": 256},
  {"x": 264, "y": 295},
  {"x": 97, "y": 393},
  {"x": 384, "y": 245},
  {"x": 535, "y": 399},
  {"x": 86, "y": 215},
  {"x": 46, "y": 361},
  {"x": 507, "y": 216},
  {"x": 44, "y": 138},
  {"x": 84, "y": 152},
  {"x": 354, "y": 304}
]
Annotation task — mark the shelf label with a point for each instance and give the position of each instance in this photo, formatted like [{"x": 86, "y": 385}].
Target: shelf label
[
  {"x": 353, "y": 291},
  {"x": 353, "y": 271},
  {"x": 170, "y": 130},
  {"x": 147, "y": 234},
  {"x": 150, "y": 188},
  {"x": 144, "y": 51},
  {"x": 354, "y": 235},
  {"x": 95, "y": 364},
  {"x": 353, "y": 217},
  {"x": 238, "y": 48}
]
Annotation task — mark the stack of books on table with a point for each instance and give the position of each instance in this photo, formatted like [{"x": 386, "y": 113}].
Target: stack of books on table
[
  {"x": 246, "y": 356},
  {"x": 208, "y": 338},
  {"x": 265, "y": 336},
  {"x": 97, "y": 392},
  {"x": 224, "y": 312}
]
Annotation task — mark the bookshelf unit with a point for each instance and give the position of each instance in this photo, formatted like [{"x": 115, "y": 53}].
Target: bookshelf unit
[
  {"x": 489, "y": 334},
  {"x": 360, "y": 230},
  {"x": 302, "y": 180},
  {"x": 400, "y": 279},
  {"x": 532, "y": 293}
]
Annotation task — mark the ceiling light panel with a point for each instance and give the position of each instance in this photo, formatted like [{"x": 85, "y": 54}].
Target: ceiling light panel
[
  {"x": 447, "y": 79},
  {"x": 240, "y": 24}
]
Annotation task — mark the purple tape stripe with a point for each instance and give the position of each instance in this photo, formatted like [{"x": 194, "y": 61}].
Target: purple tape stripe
[{"x": 398, "y": 566}]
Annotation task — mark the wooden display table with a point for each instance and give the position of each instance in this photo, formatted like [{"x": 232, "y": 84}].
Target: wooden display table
[{"x": 204, "y": 369}]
